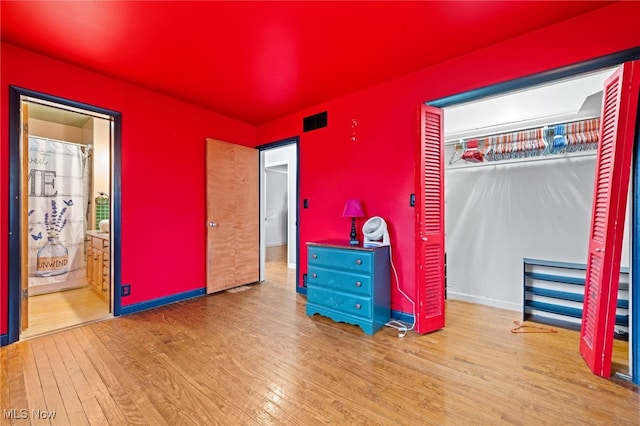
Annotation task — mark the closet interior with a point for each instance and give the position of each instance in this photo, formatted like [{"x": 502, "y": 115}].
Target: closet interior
[{"x": 519, "y": 179}]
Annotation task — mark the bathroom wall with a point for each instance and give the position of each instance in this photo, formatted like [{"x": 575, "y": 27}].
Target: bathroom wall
[
  {"x": 277, "y": 208},
  {"x": 99, "y": 132},
  {"x": 61, "y": 132}
]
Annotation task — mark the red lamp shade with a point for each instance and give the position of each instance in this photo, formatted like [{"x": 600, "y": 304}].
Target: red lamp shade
[{"x": 353, "y": 208}]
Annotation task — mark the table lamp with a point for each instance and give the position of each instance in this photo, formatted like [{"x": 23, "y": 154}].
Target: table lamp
[{"x": 353, "y": 209}]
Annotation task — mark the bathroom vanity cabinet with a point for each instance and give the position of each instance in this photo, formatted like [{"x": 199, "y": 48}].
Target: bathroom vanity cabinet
[{"x": 98, "y": 265}]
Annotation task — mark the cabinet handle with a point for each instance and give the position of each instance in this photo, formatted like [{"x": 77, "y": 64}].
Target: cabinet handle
[
  {"x": 315, "y": 256},
  {"x": 358, "y": 306},
  {"x": 358, "y": 262},
  {"x": 358, "y": 284},
  {"x": 314, "y": 275}
]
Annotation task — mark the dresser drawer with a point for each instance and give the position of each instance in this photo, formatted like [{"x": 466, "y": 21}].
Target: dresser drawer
[
  {"x": 343, "y": 281},
  {"x": 342, "y": 302},
  {"x": 350, "y": 260}
]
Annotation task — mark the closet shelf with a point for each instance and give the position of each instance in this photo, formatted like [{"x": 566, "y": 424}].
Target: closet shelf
[{"x": 569, "y": 137}]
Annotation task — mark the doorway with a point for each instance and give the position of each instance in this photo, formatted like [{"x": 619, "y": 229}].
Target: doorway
[
  {"x": 278, "y": 212},
  {"x": 61, "y": 261}
]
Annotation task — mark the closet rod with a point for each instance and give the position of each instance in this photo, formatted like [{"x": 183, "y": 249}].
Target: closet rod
[
  {"x": 525, "y": 160},
  {"x": 483, "y": 132}
]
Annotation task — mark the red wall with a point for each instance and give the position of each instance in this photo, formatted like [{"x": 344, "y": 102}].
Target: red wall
[
  {"x": 163, "y": 172},
  {"x": 378, "y": 167}
]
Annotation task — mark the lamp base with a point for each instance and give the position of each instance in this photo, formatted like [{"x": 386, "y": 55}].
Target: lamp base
[{"x": 353, "y": 235}]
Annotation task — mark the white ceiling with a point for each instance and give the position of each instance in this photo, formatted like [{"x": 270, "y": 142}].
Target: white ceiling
[{"x": 539, "y": 105}]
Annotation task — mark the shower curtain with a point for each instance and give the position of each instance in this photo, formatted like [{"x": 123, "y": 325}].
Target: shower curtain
[{"x": 56, "y": 215}]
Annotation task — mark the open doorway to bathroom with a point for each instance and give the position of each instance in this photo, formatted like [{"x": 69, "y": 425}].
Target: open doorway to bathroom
[
  {"x": 278, "y": 201},
  {"x": 65, "y": 182}
]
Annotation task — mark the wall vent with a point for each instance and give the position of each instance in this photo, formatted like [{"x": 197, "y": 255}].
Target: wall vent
[{"x": 313, "y": 122}]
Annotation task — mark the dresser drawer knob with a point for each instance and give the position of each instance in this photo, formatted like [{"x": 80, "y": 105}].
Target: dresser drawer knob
[
  {"x": 358, "y": 284},
  {"x": 314, "y": 275},
  {"x": 358, "y": 306},
  {"x": 315, "y": 256},
  {"x": 358, "y": 262}
]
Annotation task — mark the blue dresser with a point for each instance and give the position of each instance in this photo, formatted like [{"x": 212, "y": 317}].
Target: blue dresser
[{"x": 349, "y": 283}]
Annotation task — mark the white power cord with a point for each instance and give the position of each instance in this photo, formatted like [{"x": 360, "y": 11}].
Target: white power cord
[{"x": 401, "y": 327}]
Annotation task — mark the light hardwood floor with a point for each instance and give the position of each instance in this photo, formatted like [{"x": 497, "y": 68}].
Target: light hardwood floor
[
  {"x": 277, "y": 271},
  {"x": 255, "y": 358},
  {"x": 62, "y": 309}
]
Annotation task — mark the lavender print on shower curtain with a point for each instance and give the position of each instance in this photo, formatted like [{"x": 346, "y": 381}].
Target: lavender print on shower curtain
[{"x": 56, "y": 215}]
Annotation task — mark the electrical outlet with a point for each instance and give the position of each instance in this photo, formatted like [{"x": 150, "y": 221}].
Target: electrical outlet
[{"x": 126, "y": 290}]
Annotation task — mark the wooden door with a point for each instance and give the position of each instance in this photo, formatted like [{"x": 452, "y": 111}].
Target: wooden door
[
  {"x": 24, "y": 231},
  {"x": 619, "y": 112},
  {"x": 430, "y": 309},
  {"x": 233, "y": 244}
]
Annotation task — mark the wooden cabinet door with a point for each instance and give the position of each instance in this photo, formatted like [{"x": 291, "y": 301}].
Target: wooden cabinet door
[
  {"x": 90, "y": 263},
  {"x": 233, "y": 245},
  {"x": 99, "y": 259}
]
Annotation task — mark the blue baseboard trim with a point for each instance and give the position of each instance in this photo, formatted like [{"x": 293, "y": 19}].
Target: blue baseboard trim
[
  {"x": 402, "y": 316},
  {"x": 4, "y": 339},
  {"x": 301, "y": 290},
  {"x": 161, "y": 301}
]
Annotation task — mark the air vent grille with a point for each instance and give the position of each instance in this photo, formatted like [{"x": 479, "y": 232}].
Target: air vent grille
[{"x": 314, "y": 122}]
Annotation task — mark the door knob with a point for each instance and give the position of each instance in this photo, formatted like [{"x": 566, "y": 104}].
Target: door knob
[{"x": 213, "y": 224}]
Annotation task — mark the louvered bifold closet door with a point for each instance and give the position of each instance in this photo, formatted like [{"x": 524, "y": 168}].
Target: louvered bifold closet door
[
  {"x": 430, "y": 222},
  {"x": 613, "y": 166}
]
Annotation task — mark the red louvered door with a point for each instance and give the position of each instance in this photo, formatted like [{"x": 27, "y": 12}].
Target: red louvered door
[
  {"x": 619, "y": 108},
  {"x": 430, "y": 310}
]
